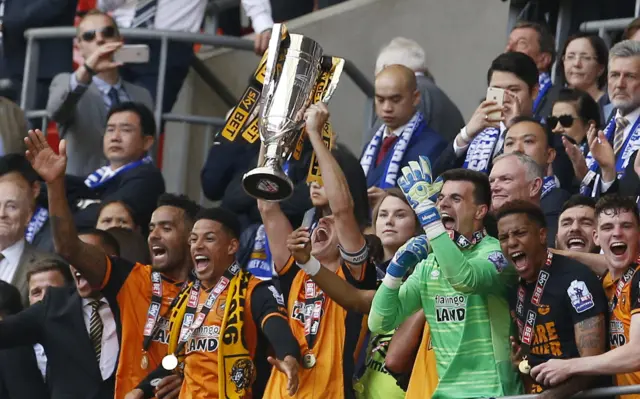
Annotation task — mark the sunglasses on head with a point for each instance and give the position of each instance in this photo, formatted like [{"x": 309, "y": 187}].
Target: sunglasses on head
[
  {"x": 565, "y": 121},
  {"x": 108, "y": 32}
]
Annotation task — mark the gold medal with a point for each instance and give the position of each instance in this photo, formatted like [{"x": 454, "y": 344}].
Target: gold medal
[
  {"x": 170, "y": 362},
  {"x": 309, "y": 360},
  {"x": 524, "y": 367},
  {"x": 144, "y": 363}
]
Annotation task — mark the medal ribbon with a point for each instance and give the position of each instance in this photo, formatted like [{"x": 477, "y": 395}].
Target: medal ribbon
[
  {"x": 463, "y": 242},
  {"x": 527, "y": 331},
  {"x": 191, "y": 320},
  {"x": 153, "y": 314},
  {"x": 626, "y": 277}
]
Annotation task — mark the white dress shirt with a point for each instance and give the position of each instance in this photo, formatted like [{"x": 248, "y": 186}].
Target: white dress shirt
[
  {"x": 396, "y": 132},
  {"x": 9, "y": 264},
  {"x": 41, "y": 359},
  {"x": 631, "y": 117},
  {"x": 110, "y": 347},
  {"x": 185, "y": 15}
]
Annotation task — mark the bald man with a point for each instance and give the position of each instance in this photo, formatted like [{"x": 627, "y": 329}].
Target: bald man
[{"x": 403, "y": 136}]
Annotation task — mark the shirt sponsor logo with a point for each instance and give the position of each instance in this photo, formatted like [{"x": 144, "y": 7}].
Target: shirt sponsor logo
[
  {"x": 450, "y": 309},
  {"x": 162, "y": 333},
  {"x": 204, "y": 339},
  {"x": 581, "y": 298}
]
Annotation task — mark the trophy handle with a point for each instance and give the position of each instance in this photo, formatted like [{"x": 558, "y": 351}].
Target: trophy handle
[
  {"x": 333, "y": 84},
  {"x": 272, "y": 57}
]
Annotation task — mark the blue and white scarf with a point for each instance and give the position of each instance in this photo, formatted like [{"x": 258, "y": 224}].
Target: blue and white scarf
[
  {"x": 260, "y": 262},
  {"x": 548, "y": 184},
  {"x": 39, "y": 218},
  {"x": 482, "y": 149},
  {"x": 392, "y": 167},
  {"x": 102, "y": 175},
  {"x": 631, "y": 144},
  {"x": 544, "y": 84}
]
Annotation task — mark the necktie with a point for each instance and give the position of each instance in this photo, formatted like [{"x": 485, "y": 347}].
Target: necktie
[
  {"x": 387, "y": 144},
  {"x": 95, "y": 328},
  {"x": 145, "y": 14},
  {"x": 618, "y": 136},
  {"x": 114, "y": 98}
]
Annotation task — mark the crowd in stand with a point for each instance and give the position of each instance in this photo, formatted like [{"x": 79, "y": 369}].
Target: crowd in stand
[{"x": 451, "y": 259}]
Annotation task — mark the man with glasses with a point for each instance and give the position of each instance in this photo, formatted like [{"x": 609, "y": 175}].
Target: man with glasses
[{"x": 79, "y": 102}]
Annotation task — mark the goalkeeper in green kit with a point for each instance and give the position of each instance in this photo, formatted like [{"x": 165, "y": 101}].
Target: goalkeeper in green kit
[{"x": 462, "y": 285}]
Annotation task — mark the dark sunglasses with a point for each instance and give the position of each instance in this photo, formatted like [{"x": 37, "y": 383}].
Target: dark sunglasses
[
  {"x": 108, "y": 32},
  {"x": 565, "y": 121}
]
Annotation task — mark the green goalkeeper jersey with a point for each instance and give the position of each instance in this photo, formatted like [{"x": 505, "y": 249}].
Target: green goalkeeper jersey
[{"x": 463, "y": 293}]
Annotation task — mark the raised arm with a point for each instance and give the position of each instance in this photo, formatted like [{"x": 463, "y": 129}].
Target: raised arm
[
  {"x": 596, "y": 262},
  {"x": 90, "y": 260},
  {"x": 277, "y": 227},
  {"x": 335, "y": 184}
]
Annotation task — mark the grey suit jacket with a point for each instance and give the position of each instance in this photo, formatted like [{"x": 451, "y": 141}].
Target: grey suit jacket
[
  {"x": 29, "y": 258},
  {"x": 82, "y": 117}
]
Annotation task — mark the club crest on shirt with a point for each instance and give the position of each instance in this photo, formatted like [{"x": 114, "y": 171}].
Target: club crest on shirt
[
  {"x": 220, "y": 308},
  {"x": 544, "y": 309},
  {"x": 498, "y": 260},
  {"x": 581, "y": 298}
]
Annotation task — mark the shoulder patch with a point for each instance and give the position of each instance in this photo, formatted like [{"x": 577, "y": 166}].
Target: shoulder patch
[
  {"x": 277, "y": 295},
  {"x": 581, "y": 298},
  {"x": 499, "y": 261}
]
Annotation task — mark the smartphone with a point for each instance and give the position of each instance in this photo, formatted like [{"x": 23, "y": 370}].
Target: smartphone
[
  {"x": 132, "y": 54},
  {"x": 496, "y": 95},
  {"x": 309, "y": 218}
]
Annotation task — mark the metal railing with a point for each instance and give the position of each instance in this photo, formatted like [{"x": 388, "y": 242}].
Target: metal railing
[
  {"x": 606, "y": 26},
  {"x": 591, "y": 393},
  {"x": 33, "y": 58}
]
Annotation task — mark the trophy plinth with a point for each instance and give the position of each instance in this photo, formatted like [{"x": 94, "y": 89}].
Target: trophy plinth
[{"x": 267, "y": 183}]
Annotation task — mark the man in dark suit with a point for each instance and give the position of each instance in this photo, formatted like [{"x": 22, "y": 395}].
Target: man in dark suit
[
  {"x": 19, "y": 374},
  {"x": 404, "y": 134},
  {"x": 55, "y": 54},
  {"x": 78, "y": 332}
]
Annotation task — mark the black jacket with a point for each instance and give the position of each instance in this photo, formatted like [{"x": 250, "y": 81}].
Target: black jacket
[
  {"x": 20, "y": 377},
  {"x": 57, "y": 322}
]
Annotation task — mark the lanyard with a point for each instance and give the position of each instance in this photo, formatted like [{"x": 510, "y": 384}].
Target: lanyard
[
  {"x": 153, "y": 313},
  {"x": 527, "y": 331},
  {"x": 626, "y": 277},
  {"x": 191, "y": 321},
  {"x": 463, "y": 242}
]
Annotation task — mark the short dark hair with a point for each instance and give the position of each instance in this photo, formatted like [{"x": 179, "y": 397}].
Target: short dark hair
[
  {"x": 631, "y": 29},
  {"x": 546, "y": 41},
  {"x": 599, "y": 48},
  {"x": 147, "y": 120},
  {"x": 533, "y": 211},
  {"x": 518, "y": 64},
  {"x": 18, "y": 163},
  {"x": 50, "y": 264},
  {"x": 109, "y": 243},
  {"x": 121, "y": 202},
  {"x": 227, "y": 219},
  {"x": 10, "y": 301},
  {"x": 183, "y": 202},
  {"x": 547, "y": 132},
  {"x": 93, "y": 13},
  {"x": 587, "y": 108},
  {"x": 617, "y": 203},
  {"x": 578, "y": 200},
  {"x": 480, "y": 181}
]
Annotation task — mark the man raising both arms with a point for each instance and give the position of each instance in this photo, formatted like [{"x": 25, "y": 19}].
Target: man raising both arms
[
  {"x": 617, "y": 234},
  {"x": 143, "y": 293},
  {"x": 462, "y": 287}
]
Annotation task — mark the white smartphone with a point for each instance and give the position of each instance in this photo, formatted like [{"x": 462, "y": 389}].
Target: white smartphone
[
  {"x": 496, "y": 95},
  {"x": 132, "y": 54}
]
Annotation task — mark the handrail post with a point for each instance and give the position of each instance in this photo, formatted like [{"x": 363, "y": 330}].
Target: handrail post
[
  {"x": 30, "y": 75},
  {"x": 162, "y": 72}
]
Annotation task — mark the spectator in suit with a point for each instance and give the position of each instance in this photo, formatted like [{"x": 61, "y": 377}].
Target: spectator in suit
[
  {"x": 517, "y": 176},
  {"x": 116, "y": 213},
  {"x": 41, "y": 276},
  {"x": 55, "y": 54},
  {"x": 482, "y": 139},
  {"x": 530, "y": 137},
  {"x": 19, "y": 374},
  {"x": 536, "y": 41},
  {"x": 130, "y": 176},
  {"x": 404, "y": 134},
  {"x": 77, "y": 329},
  {"x": 80, "y": 101},
  {"x": 440, "y": 113},
  {"x": 16, "y": 254}
]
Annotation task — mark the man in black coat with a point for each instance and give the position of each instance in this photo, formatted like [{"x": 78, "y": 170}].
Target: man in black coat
[
  {"x": 55, "y": 54},
  {"x": 81, "y": 341}
]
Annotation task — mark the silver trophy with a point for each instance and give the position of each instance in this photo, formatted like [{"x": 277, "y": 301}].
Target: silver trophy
[{"x": 287, "y": 90}]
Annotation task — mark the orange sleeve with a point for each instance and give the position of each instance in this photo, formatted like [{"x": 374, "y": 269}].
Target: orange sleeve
[{"x": 286, "y": 267}]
